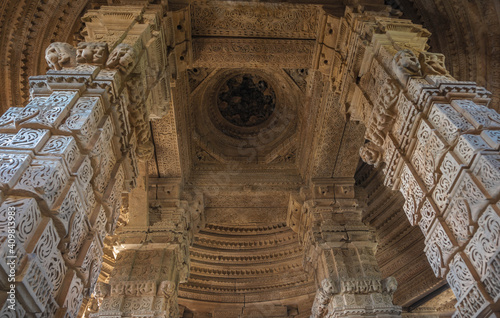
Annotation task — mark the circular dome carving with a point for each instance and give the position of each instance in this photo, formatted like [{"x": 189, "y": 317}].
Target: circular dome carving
[
  {"x": 259, "y": 128},
  {"x": 246, "y": 100}
]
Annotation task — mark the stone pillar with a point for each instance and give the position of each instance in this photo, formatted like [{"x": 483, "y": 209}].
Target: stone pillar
[
  {"x": 340, "y": 250},
  {"x": 153, "y": 258},
  {"x": 437, "y": 141},
  {"x": 67, "y": 158},
  {"x": 144, "y": 282}
]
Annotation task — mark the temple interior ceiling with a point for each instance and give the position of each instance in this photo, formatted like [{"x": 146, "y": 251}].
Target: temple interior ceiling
[
  {"x": 470, "y": 41},
  {"x": 251, "y": 125}
]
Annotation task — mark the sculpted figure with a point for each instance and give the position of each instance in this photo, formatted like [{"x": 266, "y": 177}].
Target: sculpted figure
[
  {"x": 371, "y": 154},
  {"x": 92, "y": 53},
  {"x": 322, "y": 299},
  {"x": 59, "y": 55},
  {"x": 382, "y": 117},
  {"x": 433, "y": 64},
  {"x": 390, "y": 285},
  {"x": 122, "y": 58},
  {"x": 145, "y": 147},
  {"x": 139, "y": 118},
  {"x": 375, "y": 134},
  {"x": 123, "y": 219},
  {"x": 166, "y": 289},
  {"x": 389, "y": 94},
  {"x": 405, "y": 62},
  {"x": 102, "y": 290}
]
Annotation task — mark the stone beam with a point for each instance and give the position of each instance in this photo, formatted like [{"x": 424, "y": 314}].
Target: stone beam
[
  {"x": 254, "y": 19},
  {"x": 252, "y": 53}
]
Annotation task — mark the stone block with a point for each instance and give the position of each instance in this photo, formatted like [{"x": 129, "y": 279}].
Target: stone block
[
  {"x": 12, "y": 166},
  {"x": 44, "y": 178},
  {"x": 448, "y": 122},
  {"x": 478, "y": 115},
  {"x": 62, "y": 146},
  {"x": 33, "y": 286},
  {"x": 26, "y": 139},
  {"x": 71, "y": 295},
  {"x": 449, "y": 169},
  {"x": 485, "y": 243},
  {"x": 23, "y": 214},
  {"x": 486, "y": 167},
  {"x": 468, "y": 146},
  {"x": 44, "y": 246}
]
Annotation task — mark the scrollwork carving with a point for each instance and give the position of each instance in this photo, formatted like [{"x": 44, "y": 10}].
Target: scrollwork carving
[
  {"x": 484, "y": 244},
  {"x": 254, "y": 20}
]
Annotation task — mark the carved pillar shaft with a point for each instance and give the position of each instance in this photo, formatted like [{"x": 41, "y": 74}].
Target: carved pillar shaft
[
  {"x": 65, "y": 160},
  {"x": 439, "y": 145},
  {"x": 144, "y": 282},
  {"x": 156, "y": 251},
  {"x": 340, "y": 250},
  {"x": 63, "y": 182}
]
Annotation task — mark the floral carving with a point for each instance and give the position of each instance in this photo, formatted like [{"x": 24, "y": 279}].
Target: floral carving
[
  {"x": 223, "y": 52},
  {"x": 254, "y": 20},
  {"x": 246, "y": 100}
]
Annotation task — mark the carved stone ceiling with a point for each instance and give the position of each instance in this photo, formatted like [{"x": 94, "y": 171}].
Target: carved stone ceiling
[
  {"x": 251, "y": 124},
  {"x": 469, "y": 42},
  {"x": 305, "y": 136},
  {"x": 253, "y": 134}
]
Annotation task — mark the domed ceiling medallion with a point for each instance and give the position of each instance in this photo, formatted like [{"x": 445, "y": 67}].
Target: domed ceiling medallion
[{"x": 246, "y": 100}]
